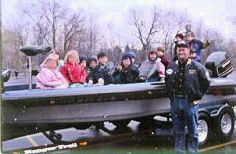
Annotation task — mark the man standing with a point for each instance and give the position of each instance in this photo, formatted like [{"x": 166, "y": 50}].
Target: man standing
[{"x": 186, "y": 82}]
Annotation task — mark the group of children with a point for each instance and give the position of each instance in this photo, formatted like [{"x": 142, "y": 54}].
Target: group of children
[
  {"x": 78, "y": 71},
  {"x": 195, "y": 45}
]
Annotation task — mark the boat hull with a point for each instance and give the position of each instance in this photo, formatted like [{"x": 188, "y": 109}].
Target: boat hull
[{"x": 94, "y": 104}]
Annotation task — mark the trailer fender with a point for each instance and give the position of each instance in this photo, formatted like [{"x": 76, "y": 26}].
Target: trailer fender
[
  {"x": 202, "y": 110},
  {"x": 225, "y": 106}
]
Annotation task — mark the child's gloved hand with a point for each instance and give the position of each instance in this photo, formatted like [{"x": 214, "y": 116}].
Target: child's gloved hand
[
  {"x": 90, "y": 82},
  {"x": 100, "y": 82},
  {"x": 119, "y": 68},
  {"x": 206, "y": 44}
]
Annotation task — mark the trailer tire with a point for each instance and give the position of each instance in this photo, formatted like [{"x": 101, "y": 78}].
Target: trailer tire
[
  {"x": 204, "y": 128},
  {"x": 225, "y": 124}
]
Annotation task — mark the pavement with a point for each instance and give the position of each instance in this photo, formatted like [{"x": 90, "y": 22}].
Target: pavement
[{"x": 131, "y": 139}]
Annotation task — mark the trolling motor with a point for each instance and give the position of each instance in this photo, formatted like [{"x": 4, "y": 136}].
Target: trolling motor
[
  {"x": 219, "y": 64},
  {"x": 5, "y": 77},
  {"x": 33, "y": 51}
]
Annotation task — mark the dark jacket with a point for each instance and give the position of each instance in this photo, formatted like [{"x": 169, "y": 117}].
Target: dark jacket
[
  {"x": 103, "y": 72},
  {"x": 129, "y": 75},
  {"x": 90, "y": 73},
  {"x": 196, "y": 46},
  {"x": 175, "y": 52},
  {"x": 196, "y": 80}
]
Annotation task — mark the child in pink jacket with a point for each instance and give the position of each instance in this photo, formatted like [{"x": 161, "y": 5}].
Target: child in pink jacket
[{"x": 49, "y": 77}]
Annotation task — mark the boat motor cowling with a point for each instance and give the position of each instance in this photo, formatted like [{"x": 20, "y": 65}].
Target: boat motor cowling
[
  {"x": 6, "y": 74},
  {"x": 219, "y": 64}
]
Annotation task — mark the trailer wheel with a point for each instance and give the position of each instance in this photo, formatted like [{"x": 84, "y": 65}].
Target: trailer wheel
[
  {"x": 225, "y": 124},
  {"x": 203, "y": 128}
]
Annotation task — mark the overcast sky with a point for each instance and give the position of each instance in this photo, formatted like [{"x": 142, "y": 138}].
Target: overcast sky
[{"x": 214, "y": 13}]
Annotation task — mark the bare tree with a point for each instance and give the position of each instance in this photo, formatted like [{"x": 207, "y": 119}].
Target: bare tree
[
  {"x": 157, "y": 27},
  {"x": 53, "y": 12},
  {"x": 172, "y": 24},
  {"x": 87, "y": 41},
  {"x": 12, "y": 40},
  {"x": 22, "y": 32},
  {"x": 146, "y": 30},
  {"x": 216, "y": 39},
  {"x": 40, "y": 27},
  {"x": 72, "y": 27},
  {"x": 93, "y": 36}
]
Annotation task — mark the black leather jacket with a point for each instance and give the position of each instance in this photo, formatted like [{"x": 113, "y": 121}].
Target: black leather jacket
[
  {"x": 196, "y": 80},
  {"x": 129, "y": 75},
  {"x": 103, "y": 72}
]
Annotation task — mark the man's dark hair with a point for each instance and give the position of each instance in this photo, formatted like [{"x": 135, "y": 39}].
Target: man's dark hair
[
  {"x": 92, "y": 59},
  {"x": 183, "y": 45},
  {"x": 180, "y": 35},
  {"x": 101, "y": 54}
]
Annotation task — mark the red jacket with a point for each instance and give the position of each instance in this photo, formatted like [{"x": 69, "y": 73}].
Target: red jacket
[{"x": 73, "y": 73}]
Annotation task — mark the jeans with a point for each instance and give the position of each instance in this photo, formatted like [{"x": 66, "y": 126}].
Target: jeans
[{"x": 183, "y": 114}]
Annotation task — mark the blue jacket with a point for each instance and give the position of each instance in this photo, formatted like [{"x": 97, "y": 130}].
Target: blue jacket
[
  {"x": 196, "y": 80},
  {"x": 196, "y": 46}
]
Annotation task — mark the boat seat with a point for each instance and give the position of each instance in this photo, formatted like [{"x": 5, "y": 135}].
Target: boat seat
[{"x": 32, "y": 51}]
